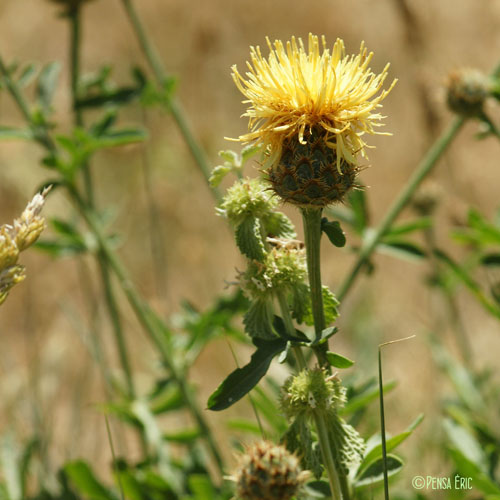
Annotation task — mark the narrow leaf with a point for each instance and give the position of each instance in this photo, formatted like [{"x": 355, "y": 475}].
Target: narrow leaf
[{"x": 243, "y": 380}]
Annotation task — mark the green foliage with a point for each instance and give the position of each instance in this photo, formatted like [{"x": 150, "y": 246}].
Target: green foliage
[{"x": 243, "y": 380}]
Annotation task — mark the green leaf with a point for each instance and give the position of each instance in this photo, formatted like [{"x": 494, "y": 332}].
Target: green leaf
[
  {"x": 491, "y": 260},
  {"x": 248, "y": 151},
  {"x": 365, "y": 398},
  {"x": 184, "y": 436},
  {"x": 46, "y": 85},
  {"x": 10, "y": 133},
  {"x": 26, "y": 76},
  {"x": 374, "y": 451},
  {"x": 374, "y": 473},
  {"x": 119, "y": 138},
  {"x": 218, "y": 173},
  {"x": 409, "y": 227},
  {"x": 280, "y": 328},
  {"x": 468, "y": 468},
  {"x": 357, "y": 201},
  {"x": 258, "y": 320},
  {"x": 338, "y": 361},
  {"x": 468, "y": 281},
  {"x": 231, "y": 157},
  {"x": 244, "y": 425},
  {"x": 243, "y": 380},
  {"x": 325, "y": 335},
  {"x": 334, "y": 232},
  {"x": 249, "y": 240},
  {"x": 330, "y": 304},
  {"x": 82, "y": 476},
  {"x": 402, "y": 249},
  {"x": 201, "y": 487}
]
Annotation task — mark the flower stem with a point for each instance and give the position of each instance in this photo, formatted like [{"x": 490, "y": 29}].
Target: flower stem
[
  {"x": 74, "y": 57},
  {"x": 173, "y": 105},
  {"x": 327, "y": 454},
  {"x": 421, "y": 172},
  {"x": 312, "y": 234}
]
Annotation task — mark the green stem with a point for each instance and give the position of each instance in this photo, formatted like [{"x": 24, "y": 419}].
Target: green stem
[
  {"x": 327, "y": 454},
  {"x": 151, "y": 326},
  {"x": 421, "y": 172},
  {"x": 174, "y": 106},
  {"x": 290, "y": 330},
  {"x": 312, "y": 235},
  {"x": 112, "y": 307},
  {"x": 74, "y": 57},
  {"x": 114, "y": 316}
]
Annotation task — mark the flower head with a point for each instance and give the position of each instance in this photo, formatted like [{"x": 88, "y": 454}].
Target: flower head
[
  {"x": 311, "y": 105},
  {"x": 297, "y": 90},
  {"x": 267, "y": 471}
]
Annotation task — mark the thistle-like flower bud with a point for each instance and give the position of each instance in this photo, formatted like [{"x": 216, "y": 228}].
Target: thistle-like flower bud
[
  {"x": 309, "y": 174},
  {"x": 310, "y": 110},
  {"x": 467, "y": 90},
  {"x": 311, "y": 391},
  {"x": 267, "y": 471}
]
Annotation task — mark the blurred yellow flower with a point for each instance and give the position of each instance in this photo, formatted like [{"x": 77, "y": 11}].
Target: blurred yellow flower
[{"x": 297, "y": 91}]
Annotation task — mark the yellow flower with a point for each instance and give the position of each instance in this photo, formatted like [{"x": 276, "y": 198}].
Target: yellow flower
[{"x": 295, "y": 91}]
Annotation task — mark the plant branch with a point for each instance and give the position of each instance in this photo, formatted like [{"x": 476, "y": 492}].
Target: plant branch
[
  {"x": 423, "y": 169},
  {"x": 173, "y": 105}
]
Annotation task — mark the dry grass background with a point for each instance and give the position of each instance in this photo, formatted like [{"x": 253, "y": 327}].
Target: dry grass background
[{"x": 47, "y": 377}]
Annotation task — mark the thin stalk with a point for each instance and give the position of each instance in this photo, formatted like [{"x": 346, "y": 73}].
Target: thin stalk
[
  {"x": 312, "y": 235},
  {"x": 290, "y": 330},
  {"x": 327, "y": 454},
  {"x": 74, "y": 15},
  {"x": 423, "y": 169},
  {"x": 382, "y": 423},
  {"x": 140, "y": 308},
  {"x": 149, "y": 323},
  {"x": 174, "y": 106},
  {"x": 114, "y": 316}
]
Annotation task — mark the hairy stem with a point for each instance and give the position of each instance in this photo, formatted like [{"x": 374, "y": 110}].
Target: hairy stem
[
  {"x": 327, "y": 454},
  {"x": 421, "y": 172},
  {"x": 312, "y": 234}
]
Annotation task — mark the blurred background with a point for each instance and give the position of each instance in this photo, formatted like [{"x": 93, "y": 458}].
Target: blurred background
[{"x": 48, "y": 380}]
